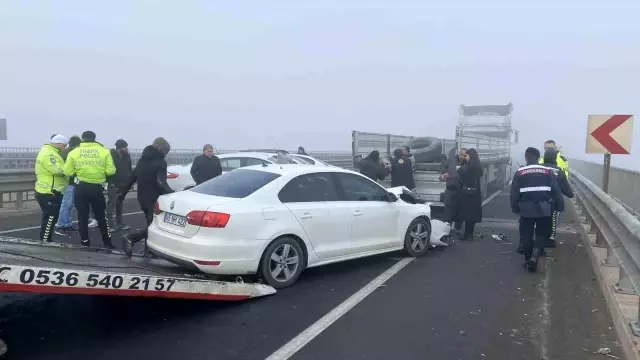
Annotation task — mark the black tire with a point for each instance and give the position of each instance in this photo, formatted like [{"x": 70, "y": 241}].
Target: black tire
[
  {"x": 267, "y": 264},
  {"x": 421, "y": 247}
]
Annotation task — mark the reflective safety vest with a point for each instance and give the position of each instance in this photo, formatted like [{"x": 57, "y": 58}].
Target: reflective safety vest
[
  {"x": 90, "y": 163},
  {"x": 561, "y": 162},
  {"x": 49, "y": 171}
]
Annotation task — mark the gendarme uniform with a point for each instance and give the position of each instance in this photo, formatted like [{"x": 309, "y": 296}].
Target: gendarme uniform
[
  {"x": 91, "y": 164},
  {"x": 49, "y": 187},
  {"x": 535, "y": 195}
]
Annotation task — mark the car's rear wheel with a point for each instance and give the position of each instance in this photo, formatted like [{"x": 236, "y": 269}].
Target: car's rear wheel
[
  {"x": 417, "y": 239},
  {"x": 282, "y": 262}
]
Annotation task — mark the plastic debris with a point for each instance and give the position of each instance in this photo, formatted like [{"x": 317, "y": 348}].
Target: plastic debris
[
  {"x": 603, "y": 351},
  {"x": 463, "y": 333}
]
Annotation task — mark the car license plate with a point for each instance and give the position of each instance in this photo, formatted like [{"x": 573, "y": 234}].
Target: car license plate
[{"x": 176, "y": 220}]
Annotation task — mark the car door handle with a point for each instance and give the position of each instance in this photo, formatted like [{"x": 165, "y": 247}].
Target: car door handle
[
  {"x": 357, "y": 213},
  {"x": 305, "y": 216}
]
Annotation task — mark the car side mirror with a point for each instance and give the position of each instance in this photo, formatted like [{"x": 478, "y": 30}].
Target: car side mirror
[{"x": 392, "y": 197}]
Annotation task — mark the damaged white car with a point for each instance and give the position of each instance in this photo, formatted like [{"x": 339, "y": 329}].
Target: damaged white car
[{"x": 275, "y": 220}]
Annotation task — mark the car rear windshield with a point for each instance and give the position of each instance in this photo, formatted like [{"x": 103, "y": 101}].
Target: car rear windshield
[{"x": 238, "y": 183}]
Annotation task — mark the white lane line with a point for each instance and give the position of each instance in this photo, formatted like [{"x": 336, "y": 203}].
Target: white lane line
[
  {"x": 486, "y": 201},
  {"x": 297, "y": 343},
  {"x": 38, "y": 226},
  {"x": 319, "y": 326}
]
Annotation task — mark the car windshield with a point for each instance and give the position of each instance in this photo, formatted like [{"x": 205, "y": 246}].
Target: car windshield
[
  {"x": 238, "y": 183},
  {"x": 281, "y": 158}
]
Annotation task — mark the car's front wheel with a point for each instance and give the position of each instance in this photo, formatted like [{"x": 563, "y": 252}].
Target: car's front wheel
[
  {"x": 282, "y": 262},
  {"x": 417, "y": 239}
]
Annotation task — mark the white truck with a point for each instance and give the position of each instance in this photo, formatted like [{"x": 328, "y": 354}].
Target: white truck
[{"x": 486, "y": 128}]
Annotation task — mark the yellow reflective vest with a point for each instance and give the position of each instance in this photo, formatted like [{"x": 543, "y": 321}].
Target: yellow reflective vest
[
  {"x": 90, "y": 162},
  {"x": 49, "y": 171},
  {"x": 562, "y": 163}
]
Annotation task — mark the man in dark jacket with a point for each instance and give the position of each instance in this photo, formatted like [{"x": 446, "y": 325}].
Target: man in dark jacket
[
  {"x": 122, "y": 161},
  {"x": 64, "y": 224},
  {"x": 535, "y": 195},
  {"x": 401, "y": 170},
  {"x": 206, "y": 166},
  {"x": 371, "y": 167},
  {"x": 151, "y": 175},
  {"x": 550, "y": 161}
]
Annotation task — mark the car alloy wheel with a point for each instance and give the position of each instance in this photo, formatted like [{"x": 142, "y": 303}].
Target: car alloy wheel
[
  {"x": 418, "y": 237},
  {"x": 282, "y": 262}
]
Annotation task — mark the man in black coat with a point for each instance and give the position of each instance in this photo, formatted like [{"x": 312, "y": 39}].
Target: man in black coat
[
  {"x": 206, "y": 166},
  {"x": 401, "y": 170},
  {"x": 122, "y": 161},
  {"x": 151, "y": 175},
  {"x": 371, "y": 167}
]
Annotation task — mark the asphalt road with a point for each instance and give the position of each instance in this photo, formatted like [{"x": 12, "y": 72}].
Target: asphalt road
[{"x": 469, "y": 301}]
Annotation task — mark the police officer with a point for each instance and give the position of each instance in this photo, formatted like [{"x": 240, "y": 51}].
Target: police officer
[
  {"x": 91, "y": 164},
  {"x": 50, "y": 184},
  {"x": 535, "y": 194},
  {"x": 561, "y": 161}
]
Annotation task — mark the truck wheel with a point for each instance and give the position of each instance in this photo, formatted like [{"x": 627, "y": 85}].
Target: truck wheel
[
  {"x": 282, "y": 262},
  {"x": 417, "y": 239}
]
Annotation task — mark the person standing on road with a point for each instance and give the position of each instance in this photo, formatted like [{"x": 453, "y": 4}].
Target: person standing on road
[
  {"x": 91, "y": 163},
  {"x": 449, "y": 174},
  {"x": 122, "y": 161},
  {"x": 469, "y": 208},
  {"x": 64, "y": 224},
  {"x": 535, "y": 195},
  {"x": 550, "y": 160},
  {"x": 301, "y": 151},
  {"x": 151, "y": 175},
  {"x": 407, "y": 152},
  {"x": 561, "y": 161},
  {"x": 401, "y": 172},
  {"x": 206, "y": 166},
  {"x": 50, "y": 184}
]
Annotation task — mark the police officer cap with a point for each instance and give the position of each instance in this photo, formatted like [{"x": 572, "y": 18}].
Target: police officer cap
[{"x": 121, "y": 144}]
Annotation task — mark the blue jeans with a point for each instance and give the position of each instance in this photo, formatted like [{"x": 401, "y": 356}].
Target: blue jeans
[
  {"x": 66, "y": 209},
  {"x": 64, "y": 220}
]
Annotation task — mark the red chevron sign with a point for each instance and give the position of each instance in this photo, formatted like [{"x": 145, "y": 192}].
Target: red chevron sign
[{"x": 609, "y": 134}]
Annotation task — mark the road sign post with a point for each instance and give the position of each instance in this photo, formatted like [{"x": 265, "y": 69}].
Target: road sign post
[{"x": 609, "y": 134}]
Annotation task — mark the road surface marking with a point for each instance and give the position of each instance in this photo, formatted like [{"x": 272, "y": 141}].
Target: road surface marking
[
  {"x": 297, "y": 343},
  {"x": 38, "y": 226}
]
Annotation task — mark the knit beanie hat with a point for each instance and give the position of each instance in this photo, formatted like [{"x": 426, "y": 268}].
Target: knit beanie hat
[
  {"x": 121, "y": 144},
  {"x": 162, "y": 145}
]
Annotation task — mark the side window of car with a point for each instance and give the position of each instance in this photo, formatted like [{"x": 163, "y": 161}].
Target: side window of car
[
  {"x": 229, "y": 164},
  {"x": 309, "y": 188},
  {"x": 357, "y": 188},
  {"x": 253, "y": 161}
]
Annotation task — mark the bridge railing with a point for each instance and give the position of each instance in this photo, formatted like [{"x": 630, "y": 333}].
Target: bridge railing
[{"x": 615, "y": 228}]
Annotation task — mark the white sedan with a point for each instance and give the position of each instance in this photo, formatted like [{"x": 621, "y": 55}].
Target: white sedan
[
  {"x": 275, "y": 221},
  {"x": 179, "y": 176}
]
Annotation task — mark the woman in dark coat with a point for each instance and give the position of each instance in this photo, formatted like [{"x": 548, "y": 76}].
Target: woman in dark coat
[
  {"x": 470, "y": 198},
  {"x": 401, "y": 170},
  {"x": 450, "y": 175}
]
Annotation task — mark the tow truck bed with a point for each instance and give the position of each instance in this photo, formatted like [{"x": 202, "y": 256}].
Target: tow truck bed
[{"x": 36, "y": 267}]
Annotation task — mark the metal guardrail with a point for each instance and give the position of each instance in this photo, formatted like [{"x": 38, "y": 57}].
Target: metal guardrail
[
  {"x": 16, "y": 186},
  {"x": 617, "y": 229}
]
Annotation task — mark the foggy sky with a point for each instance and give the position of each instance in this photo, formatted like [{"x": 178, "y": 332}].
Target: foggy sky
[{"x": 281, "y": 73}]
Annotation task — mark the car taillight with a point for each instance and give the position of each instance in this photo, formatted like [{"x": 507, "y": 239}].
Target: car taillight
[
  {"x": 171, "y": 175},
  {"x": 208, "y": 219},
  {"x": 156, "y": 208}
]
